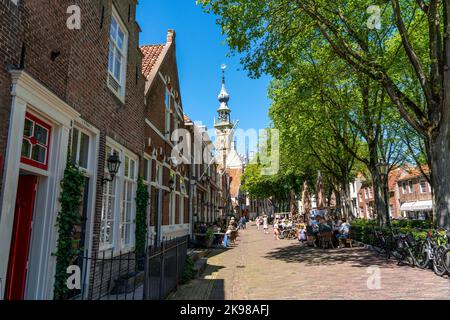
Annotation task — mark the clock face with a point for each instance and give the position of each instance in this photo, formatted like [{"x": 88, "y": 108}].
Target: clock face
[{"x": 223, "y": 117}]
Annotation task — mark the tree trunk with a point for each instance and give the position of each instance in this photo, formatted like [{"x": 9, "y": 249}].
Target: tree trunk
[
  {"x": 439, "y": 141},
  {"x": 337, "y": 194},
  {"x": 348, "y": 204},
  {"x": 439, "y": 155},
  {"x": 380, "y": 203}
]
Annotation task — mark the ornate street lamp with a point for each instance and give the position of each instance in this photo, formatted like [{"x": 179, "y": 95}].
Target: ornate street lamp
[
  {"x": 383, "y": 167},
  {"x": 113, "y": 163}
]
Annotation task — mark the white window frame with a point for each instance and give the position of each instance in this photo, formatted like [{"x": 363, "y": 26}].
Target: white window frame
[
  {"x": 159, "y": 172},
  {"x": 77, "y": 152},
  {"x": 103, "y": 246},
  {"x": 117, "y": 245},
  {"x": 129, "y": 180},
  {"x": 123, "y": 68},
  {"x": 425, "y": 185},
  {"x": 181, "y": 210},
  {"x": 404, "y": 190},
  {"x": 411, "y": 184},
  {"x": 167, "y": 99},
  {"x": 147, "y": 179},
  {"x": 172, "y": 208}
]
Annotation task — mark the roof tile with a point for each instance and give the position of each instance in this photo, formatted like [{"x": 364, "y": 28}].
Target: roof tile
[{"x": 151, "y": 55}]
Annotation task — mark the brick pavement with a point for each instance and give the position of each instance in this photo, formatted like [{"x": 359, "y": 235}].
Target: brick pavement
[{"x": 259, "y": 267}]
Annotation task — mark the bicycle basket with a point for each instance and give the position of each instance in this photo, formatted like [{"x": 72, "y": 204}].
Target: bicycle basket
[{"x": 399, "y": 242}]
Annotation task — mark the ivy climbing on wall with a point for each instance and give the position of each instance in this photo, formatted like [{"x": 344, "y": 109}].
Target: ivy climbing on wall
[{"x": 68, "y": 217}]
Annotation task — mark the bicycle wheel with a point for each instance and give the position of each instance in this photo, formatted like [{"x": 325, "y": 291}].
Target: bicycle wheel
[
  {"x": 421, "y": 255},
  {"x": 438, "y": 261},
  {"x": 410, "y": 257},
  {"x": 446, "y": 259}
]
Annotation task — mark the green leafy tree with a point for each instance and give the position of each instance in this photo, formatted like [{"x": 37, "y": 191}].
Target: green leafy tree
[
  {"x": 407, "y": 54},
  {"x": 141, "y": 217}
]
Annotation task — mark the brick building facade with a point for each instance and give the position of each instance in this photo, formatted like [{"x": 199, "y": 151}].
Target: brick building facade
[
  {"x": 409, "y": 195},
  {"x": 67, "y": 89},
  {"x": 86, "y": 95},
  {"x": 414, "y": 197},
  {"x": 168, "y": 180}
]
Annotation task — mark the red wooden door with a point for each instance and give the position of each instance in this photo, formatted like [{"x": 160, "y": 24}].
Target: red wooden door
[{"x": 20, "y": 242}]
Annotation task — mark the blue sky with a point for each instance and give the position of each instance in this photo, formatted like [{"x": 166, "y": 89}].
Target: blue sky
[{"x": 201, "y": 50}]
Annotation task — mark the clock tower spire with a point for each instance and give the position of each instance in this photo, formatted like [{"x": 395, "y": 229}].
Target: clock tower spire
[{"x": 223, "y": 121}]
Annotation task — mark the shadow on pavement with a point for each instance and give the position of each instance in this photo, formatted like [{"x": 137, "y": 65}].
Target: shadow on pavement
[
  {"x": 218, "y": 290},
  {"x": 358, "y": 257},
  {"x": 204, "y": 288}
]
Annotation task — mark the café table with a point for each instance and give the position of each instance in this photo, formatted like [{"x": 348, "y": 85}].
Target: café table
[{"x": 218, "y": 237}]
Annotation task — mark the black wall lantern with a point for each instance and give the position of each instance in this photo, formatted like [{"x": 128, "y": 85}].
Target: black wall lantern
[
  {"x": 113, "y": 164},
  {"x": 172, "y": 184}
]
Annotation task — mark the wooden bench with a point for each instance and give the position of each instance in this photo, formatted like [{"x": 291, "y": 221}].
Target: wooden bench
[{"x": 346, "y": 241}]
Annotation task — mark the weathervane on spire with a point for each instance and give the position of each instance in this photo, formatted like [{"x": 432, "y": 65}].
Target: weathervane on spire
[
  {"x": 223, "y": 67},
  {"x": 223, "y": 111}
]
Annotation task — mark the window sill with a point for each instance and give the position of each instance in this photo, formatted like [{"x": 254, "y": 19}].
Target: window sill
[{"x": 119, "y": 97}]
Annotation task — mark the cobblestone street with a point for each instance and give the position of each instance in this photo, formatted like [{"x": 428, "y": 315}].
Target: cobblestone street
[{"x": 259, "y": 267}]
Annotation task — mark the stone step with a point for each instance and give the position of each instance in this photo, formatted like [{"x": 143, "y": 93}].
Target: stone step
[{"x": 197, "y": 254}]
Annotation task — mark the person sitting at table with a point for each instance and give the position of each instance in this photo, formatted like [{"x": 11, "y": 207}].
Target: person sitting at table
[
  {"x": 324, "y": 226},
  {"x": 202, "y": 228},
  {"x": 315, "y": 229},
  {"x": 290, "y": 224}
]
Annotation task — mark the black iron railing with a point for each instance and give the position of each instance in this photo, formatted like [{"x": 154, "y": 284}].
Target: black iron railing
[{"x": 124, "y": 276}]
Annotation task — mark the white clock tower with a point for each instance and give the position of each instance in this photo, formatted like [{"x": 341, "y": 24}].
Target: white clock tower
[{"x": 227, "y": 156}]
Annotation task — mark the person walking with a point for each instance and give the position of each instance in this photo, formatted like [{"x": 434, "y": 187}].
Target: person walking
[
  {"x": 265, "y": 225},
  {"x": 302, "y": 233},
  {"x": 276, "y": 230},
  {"x": 258, "y": 223}
]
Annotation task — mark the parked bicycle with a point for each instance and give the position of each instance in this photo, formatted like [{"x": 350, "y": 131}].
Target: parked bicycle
[
  {"x": 384, "y": 243},
  {"x": 433, "y": 251},
  {"x": 446, "y": 254},
  {"x": 404, "y": 248},
  {"x": 425, "y": 252}
]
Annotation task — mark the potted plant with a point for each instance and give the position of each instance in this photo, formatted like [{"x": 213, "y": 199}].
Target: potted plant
[{"x": 209, "y": 239}]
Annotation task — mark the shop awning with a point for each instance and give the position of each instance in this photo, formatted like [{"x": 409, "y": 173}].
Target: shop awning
[{"x": 425, "y": 205}]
